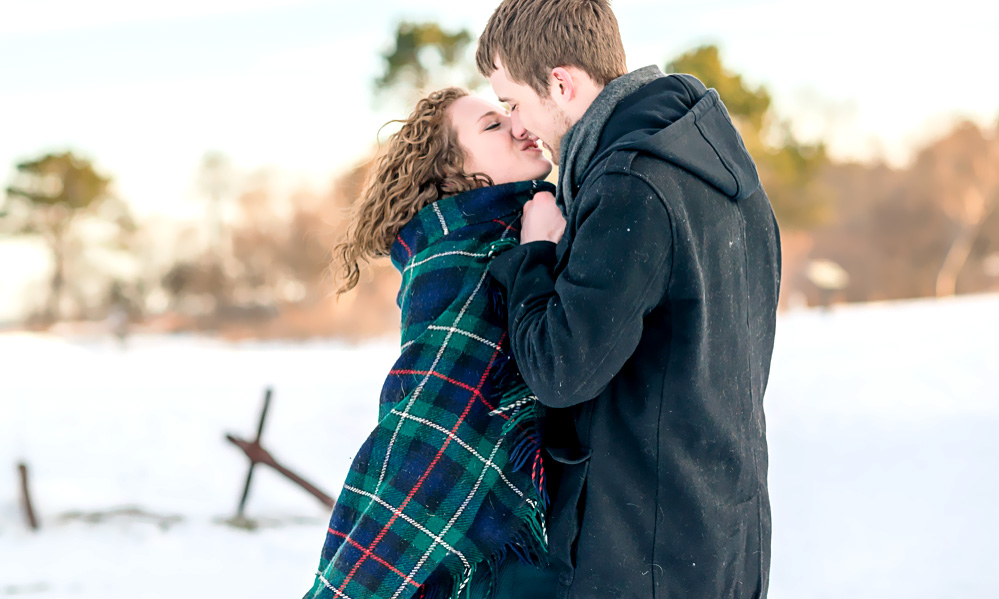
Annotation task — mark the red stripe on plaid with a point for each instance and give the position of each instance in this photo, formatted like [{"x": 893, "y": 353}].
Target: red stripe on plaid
[
  {"x": 374, "y": 557},
  {"x": 404, "y": 245},
  {"x": 485, "y": 374},
  {"x": 477, "y": 392},
  {"x": 508, "y": 227},
  {"x": 538, "y": 471},
  {"x": 440, "y": 376}
]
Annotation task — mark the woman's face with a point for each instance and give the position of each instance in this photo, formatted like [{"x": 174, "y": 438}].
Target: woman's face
[{"x": 484, "y": 132}]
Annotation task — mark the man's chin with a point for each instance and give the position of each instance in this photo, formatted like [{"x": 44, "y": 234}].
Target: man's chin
[{"x": 552, "y": 154}]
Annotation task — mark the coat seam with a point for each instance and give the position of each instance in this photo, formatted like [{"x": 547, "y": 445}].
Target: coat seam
[
  {"x": 721, "y": 158},
  {"x": 752, "y": 402},
  {"x": 672, "y": 238},
  {"x": 669, "y": 282},
  {"x": 645, "y": 291}
]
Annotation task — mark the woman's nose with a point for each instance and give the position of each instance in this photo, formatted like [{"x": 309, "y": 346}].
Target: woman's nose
[{"x": 517, "y": 128}]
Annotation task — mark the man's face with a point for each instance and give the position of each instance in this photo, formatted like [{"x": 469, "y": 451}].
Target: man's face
[{"x": 529, "y": 113}]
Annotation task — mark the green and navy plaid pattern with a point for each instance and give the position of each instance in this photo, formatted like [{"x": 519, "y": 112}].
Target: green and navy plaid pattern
[{"x": 450, "y": 480}]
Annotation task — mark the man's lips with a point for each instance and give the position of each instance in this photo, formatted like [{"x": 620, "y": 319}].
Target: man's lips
[{"x": 530, "y": 146}]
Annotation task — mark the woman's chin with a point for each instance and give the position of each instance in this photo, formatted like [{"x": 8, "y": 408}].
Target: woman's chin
[
  {"x": 542, "y": 170},
  {"x": 532, "y": 172}
]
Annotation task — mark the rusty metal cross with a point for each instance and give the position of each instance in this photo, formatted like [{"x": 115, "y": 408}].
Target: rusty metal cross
[{"x": 259, "y": 455}]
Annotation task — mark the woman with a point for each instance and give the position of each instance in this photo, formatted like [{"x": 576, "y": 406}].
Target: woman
[{"x": 446, "y": 496}]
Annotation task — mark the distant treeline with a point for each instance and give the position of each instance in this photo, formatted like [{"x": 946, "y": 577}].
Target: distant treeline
[{"x": 930, "y": 229}]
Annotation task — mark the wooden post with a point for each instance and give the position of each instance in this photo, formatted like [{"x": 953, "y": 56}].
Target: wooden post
[{"x": 29, "y": 510}]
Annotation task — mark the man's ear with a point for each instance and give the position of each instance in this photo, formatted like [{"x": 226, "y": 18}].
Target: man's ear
[{"x": 563, "y": 88}]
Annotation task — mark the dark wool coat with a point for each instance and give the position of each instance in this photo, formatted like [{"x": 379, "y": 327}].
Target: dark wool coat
[{"x": 650, "y": 328}]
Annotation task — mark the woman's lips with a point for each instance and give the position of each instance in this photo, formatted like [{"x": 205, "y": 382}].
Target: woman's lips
[{"x": 531, "y": 146}]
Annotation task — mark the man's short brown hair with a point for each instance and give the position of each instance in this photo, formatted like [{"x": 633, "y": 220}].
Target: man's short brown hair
[{"x": 531, "y": 37}]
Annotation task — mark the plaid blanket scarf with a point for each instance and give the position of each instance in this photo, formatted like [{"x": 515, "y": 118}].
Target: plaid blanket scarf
[{"x": 450, "y": 481}]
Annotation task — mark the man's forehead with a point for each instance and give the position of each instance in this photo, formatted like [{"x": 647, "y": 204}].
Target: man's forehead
[
  {"x": 500, "y": 75},
  {"x": 505, "y": 89},
  {"x": 502, "y": 91}
]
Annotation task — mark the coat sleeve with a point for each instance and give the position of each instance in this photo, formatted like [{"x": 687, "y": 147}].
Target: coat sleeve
[{"x": 573, "y": 326}]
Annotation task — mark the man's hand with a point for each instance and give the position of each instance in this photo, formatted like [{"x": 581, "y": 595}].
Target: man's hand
[{"x": 542, "y": 220}]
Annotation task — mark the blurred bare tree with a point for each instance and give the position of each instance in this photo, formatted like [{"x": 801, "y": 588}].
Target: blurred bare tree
[
  {"x": 50, "y": 198},
  {"x": 962, "y": 172},
  {"x": 217, "y": 180},
  {"x": 278, "y": 279},
  {"x": 281, "y": 258},
  {"x": 929, "y": 229}
]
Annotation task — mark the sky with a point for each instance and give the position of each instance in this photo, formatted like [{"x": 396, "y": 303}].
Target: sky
[{"x": 146, "y": 89}]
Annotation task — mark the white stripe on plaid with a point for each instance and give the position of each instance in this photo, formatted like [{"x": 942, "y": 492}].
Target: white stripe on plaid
[
  {"x": 514, "y": 405},
  {"x": 432, "y": 370},
  {"x": 457, "y": 514},
  {"x": 461, "y": 442},
  {"x": 414, "y": 523},
  {"x": 441, "y": 255},
  {"x": 544, "y": 529},
  {"x": 436, "y": 327},
  {"x": 441, "y": 217},
  {"x": 327, "y": 584}
]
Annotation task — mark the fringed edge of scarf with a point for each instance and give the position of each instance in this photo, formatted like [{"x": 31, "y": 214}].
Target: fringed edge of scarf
[
  {"x": 530, "y": 542},
  {"x": 523, "y": 426},
  {"x": 524, "y": 431}
]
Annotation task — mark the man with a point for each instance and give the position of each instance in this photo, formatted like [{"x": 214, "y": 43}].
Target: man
[{"x": 648, "y": 325}]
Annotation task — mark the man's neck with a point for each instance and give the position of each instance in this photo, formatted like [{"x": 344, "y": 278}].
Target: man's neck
[{"x": 586, "y": 94}]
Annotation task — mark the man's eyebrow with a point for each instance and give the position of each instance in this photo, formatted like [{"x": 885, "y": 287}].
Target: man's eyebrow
[{"x": 503, "y": 100}]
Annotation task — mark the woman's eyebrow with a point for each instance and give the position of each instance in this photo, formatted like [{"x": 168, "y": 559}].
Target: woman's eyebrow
[{"x": 490, "y": 113}]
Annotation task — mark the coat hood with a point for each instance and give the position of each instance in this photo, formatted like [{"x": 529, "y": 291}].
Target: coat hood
[{"x": 676, "y": 119}]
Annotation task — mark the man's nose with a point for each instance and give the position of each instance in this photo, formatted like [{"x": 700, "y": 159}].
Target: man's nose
[{"x": 517, "y": 128}]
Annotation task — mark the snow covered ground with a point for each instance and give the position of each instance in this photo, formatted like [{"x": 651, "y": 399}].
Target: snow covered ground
[{"x": 882, "y": 420}]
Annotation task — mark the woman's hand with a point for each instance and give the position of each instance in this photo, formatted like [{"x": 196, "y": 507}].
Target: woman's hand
[{"x": 542, "y": 220}]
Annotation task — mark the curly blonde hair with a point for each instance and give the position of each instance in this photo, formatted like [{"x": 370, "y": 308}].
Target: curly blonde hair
[{"x": 418, "y": 165}]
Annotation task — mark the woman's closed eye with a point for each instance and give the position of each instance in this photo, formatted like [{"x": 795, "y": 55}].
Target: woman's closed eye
[{"x": 493, "y": 126}]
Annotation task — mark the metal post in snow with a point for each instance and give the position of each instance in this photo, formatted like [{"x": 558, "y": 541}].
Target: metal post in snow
[
  {"x": 249, "y": 473},
  {"x": 258, "y": 454}
]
